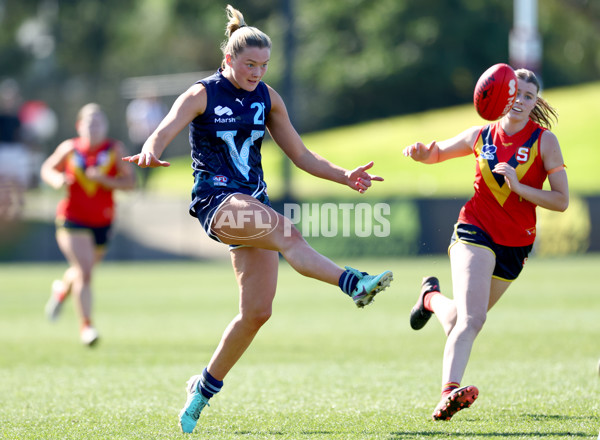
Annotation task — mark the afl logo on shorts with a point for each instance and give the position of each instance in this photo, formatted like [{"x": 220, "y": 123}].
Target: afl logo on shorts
[
  {"x": 251, "y": 221},
  {"x": 220, "y": 180}
]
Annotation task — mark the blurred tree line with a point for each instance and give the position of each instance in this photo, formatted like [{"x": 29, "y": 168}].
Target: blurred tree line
[{"x": 353, "y": 60}]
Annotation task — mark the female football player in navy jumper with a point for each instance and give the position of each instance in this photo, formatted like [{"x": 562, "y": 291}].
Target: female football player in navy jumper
[
  {"x": 496, "y": 227},
  {"x": 227, "y": 114}
]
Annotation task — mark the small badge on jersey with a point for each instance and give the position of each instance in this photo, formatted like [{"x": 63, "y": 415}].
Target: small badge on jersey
[
  {"x": 220, "y": 180},
  {"x": 488, "y": 152}
]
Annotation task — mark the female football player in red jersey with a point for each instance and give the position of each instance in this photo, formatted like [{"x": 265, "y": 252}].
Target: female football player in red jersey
[
  {"x": 90, "y": 169},
  {"x": 496, "y": 227},
  {"x": 228, "y": 114}
]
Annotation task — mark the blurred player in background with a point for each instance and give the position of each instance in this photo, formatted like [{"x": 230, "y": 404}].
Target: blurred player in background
[
  {"x": 227, "y": 114},
  {"x": 13, "y": 153},
  {"x": 496, "y": 228},
  {"x": 90, "y": 169},
  {"x": 143, "y": 115}
]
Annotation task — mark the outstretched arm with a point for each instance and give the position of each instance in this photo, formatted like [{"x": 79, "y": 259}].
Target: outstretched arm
[
  {"x": 287, "y": 138},
  {"x": 185, "y": 108},
  {"x": 460, "y": 145}
]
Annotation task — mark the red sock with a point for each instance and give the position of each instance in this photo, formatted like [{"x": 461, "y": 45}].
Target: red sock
[
  {"x": 449, "y": 387},
  {"x": 427, "y": 300},
  {"x": 59, "y": 290},
  {"x": 86, "y": 322}
]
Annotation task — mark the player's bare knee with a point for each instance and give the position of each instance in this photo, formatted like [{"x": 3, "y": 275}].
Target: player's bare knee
[
  {"x": 292, "y": 239},
  {"x": 475, "y": 322},
  {"x": 257, "y": 317},
  {"x": 81, "y": 274}
]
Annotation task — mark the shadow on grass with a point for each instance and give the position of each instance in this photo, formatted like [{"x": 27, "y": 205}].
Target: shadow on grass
[
  {"x": 404, "y": 435},
  {"x": 533, "y": 433},
  {"x": 467, "y": 435},
  {"x": 558, "y": 417}
]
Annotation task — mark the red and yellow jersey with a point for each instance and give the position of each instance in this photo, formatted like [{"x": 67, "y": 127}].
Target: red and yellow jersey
[
  {"x": 509, "y": 219},
  {"x": 88, "y": 202}
]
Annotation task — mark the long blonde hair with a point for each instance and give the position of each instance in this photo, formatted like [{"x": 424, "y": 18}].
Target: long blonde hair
[
  {"x": 240, "y": 35},
  {"x": 543, "y": 113}
]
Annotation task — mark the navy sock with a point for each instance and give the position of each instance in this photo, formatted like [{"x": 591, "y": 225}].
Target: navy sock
[
  {"x": 347, "y": 282},
  {"x": 209, "y": 386}
]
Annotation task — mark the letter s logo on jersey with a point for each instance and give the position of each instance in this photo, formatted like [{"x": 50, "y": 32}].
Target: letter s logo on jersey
[{"x": 522, "y": 155}]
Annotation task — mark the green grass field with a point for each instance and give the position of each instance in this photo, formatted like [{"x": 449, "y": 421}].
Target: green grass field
[{"x": 319, "y": 369}]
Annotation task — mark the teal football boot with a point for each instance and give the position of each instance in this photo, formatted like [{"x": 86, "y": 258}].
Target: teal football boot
[
  {"x": 369, "y": 285},
  {"x": 195, "y": 403}
]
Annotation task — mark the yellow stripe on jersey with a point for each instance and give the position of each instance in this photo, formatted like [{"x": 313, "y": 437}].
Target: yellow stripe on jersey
[
  {"x": 89, "y": 186},
  {"x": 501, "y": 191}
]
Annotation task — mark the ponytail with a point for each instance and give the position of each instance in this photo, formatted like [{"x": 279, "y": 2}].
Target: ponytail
[{"x": 240, "y": 35}]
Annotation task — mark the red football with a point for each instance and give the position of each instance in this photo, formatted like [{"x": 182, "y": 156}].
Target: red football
[{"x": 495, "y": 92}]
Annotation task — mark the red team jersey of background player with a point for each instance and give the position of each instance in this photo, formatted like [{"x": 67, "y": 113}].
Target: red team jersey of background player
[
  {"x": 87, "y": 202},
  {"x": 505, "y": 216}
]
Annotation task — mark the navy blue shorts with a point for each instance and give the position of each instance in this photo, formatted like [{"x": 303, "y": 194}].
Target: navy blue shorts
[
  {"x": 509, "y": 260},
  {"x": 207, "y": 199},
  {"x": 101, "y": 235}
]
